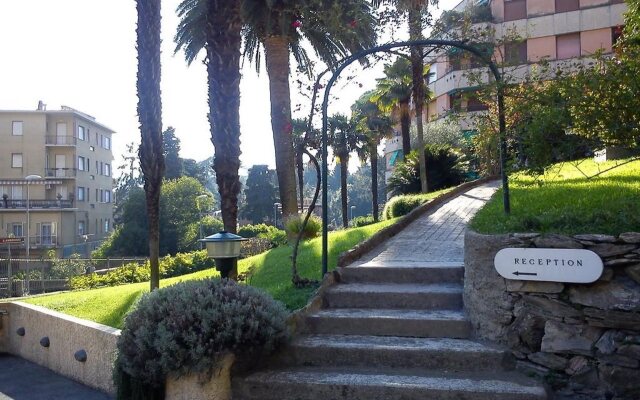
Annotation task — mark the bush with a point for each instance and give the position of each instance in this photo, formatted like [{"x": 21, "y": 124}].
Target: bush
[
  {"x": 254, "y": 246},
  {"x": 363, "y": 221},
  {"x": 209, "y": 226},
  {"x": 293, "y": 225},
  {"x": 189, "y": 327},
  {"x": 64, "y": 268},
  {"x": 249, "y": 231},
  {"x": 403, "y": 205},
  {"x": 444, "y": 169}
]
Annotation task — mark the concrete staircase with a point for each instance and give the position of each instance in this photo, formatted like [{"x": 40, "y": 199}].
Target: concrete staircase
[{"x": 392, "y": 333}]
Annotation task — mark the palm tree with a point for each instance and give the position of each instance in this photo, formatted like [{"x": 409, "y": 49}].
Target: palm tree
[
  {"x": 332, "y": 28},
  {"x": 343, "y": 140},
  {"x": 216, "y": 27},
  {"x": 303, "y": 139},
  {"x": 371, "y": 126},
  {"x": 415, "y": 9},
  {"x": 150, "y": 117}
]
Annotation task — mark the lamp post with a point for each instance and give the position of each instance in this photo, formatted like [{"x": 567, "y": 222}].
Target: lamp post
[
  {"x": 199, "y": 204},
  {"x": 27, "y": 242},
  {"x": 275, "y": 213},
  {"x": 352, "y": 209},
  {"x": 224, "y": 248}
]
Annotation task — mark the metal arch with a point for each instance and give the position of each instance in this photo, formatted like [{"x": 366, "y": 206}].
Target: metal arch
[{"x": 386, "y": 47}]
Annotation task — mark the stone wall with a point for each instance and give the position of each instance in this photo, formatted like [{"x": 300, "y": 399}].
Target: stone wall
[{"x": 583, "y": 340}]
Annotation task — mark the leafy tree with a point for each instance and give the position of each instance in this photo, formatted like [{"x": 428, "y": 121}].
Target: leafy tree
[
  {"x": 632, "y": 22},
  {"x": 150, "y": 117},
  {"x": 260, "y": 194},
  {"x": 172, "y": 160},
  {"x": 332, "y": 28},
  {"x": 343, "y": 140},
  {"x": 371, "y": 127},
  {"x": 129, "y": 179}
]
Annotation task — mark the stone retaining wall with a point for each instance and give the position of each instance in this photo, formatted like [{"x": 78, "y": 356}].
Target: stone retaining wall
[{"x": 584, "y": 340}]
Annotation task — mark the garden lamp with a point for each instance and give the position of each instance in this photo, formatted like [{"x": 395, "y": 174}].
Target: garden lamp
[{"x": 224, "y": 248}]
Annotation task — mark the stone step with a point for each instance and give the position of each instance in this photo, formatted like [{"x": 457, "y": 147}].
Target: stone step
[
  {"x": 423, "y": 272},
  {"x": 389, "y": 322},
  {"x": 399, "y": 296},
  {"x": 314, "y": 384},
  {"x": 392, "y": 351}
]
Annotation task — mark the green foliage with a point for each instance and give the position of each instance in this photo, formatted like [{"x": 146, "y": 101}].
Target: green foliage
[
  {"x": 632, "y": 22},
  {"x": 67, "y": 267},
  {"x": 254, "y": 246},
  {"x": 444, "y": 169},
  {"x": 209, "y": 226},
  {"x": 249, "y": 231},
  {"x": 401, "y": 205},
  {"x": 293, "y": 226},
  {"x": 191, "y": 326},
  {"x": 180, "y": 264},
  {"x": 563, "y": 200},
  {"x": 260, "y": 194},
  {"x": 362, "y": 220}
]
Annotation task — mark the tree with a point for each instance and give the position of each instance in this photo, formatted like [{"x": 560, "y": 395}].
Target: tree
[
  {"x": 332, "y": 28},
  {"x": 303, "y": 140},
  {"x": 371, "y": 127},
  {"x": 150, "y": 117},
  {"x": 260, "y": 194},
  {"x": 216, "y": 27},
  {"x": 632, "y": 22},
  {"x": 172, "y": 160},
  {"x": 343, "y": 140}
]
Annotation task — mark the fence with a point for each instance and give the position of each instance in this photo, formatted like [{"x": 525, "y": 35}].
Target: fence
[{"x": 21, "y": 277}]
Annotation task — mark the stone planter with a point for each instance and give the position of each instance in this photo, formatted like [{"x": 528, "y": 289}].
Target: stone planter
[{"x": 196, "y": 387}]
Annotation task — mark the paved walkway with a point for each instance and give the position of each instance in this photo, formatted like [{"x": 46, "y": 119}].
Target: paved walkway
[
  {"x": 23, "y": 380},
  {"x": 435, "y": 237}
]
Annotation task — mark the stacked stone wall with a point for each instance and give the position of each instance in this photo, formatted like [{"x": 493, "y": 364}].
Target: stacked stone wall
[{"x": 582, "y": 339}]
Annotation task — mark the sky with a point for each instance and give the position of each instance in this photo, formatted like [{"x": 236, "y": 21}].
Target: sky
[{"x": 81, "y": 54}]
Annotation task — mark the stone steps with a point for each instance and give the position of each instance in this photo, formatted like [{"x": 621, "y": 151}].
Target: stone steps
[
  {"x": 393, "y": 352},
  {"x": 424, "y": 272},
  {"x": 355, "y": 384},
  {"x": 400, "y": 296},
  {"x": 389, "y": 322}
]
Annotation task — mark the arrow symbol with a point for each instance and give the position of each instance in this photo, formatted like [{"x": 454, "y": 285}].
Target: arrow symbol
[{"x": 518, "y": 273}]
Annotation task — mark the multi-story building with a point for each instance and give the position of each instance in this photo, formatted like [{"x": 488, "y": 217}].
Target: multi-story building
[
  {"x": 55, "y": 180},
  {"x": 558, "y": 31}
]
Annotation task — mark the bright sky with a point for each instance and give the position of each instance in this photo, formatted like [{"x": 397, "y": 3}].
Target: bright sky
[{"x": 81, "y": 53}]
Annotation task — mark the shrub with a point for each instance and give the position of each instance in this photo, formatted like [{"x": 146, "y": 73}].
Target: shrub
[
  {"x": 444, "y": 169},
  {"x": 363, "y": 221},
  {"x": 403, "y": 205},
  {"x": 249, "y": 231},
  {"x": 189, "y": 327},
  {"x": 254, "y": 246},
  {"x": 64, "y": 268},
  {"x": 293, "y": 225},
  {"x": 209, "y": 226}
]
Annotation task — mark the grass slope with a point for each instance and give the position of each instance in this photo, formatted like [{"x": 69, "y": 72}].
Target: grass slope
[
  {"x": 271, "y": 272},
  {"x": 565, "y": 201}
]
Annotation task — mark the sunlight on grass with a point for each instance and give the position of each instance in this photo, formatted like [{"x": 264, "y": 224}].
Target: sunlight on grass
[{"x": 565, "y": 201}]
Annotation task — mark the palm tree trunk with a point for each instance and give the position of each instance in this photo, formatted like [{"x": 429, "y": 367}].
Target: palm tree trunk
[
  {"x": 405, "y": 124},
  {"x": 223, "y": 79},
  {"x": 373, "y": 151},
  {"x": 300, "y": 169},
  {"x": 150, "y": 117},
  {"x": 417, "y": 67},
  {"x": 277, "y": 58},
  {"x": 344, "y": 165}
]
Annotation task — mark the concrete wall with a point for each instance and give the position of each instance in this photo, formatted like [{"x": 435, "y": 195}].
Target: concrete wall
[
  {"x": 583, "y": 339},
  {"x": 67, "y": 335}
]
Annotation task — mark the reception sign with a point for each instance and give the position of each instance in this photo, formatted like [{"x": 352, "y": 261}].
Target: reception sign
[{"x": 551, "y": 265}]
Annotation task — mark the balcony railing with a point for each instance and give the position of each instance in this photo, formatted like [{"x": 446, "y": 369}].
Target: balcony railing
[
  {"x": 60, "y": 172},
  {"x": 35, "y": 204},
  {"x": 61, "y": 140}
]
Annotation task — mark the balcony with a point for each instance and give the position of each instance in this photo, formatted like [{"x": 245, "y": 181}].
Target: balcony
[
  {"x": 35, "y": 204},
  {"x": 60, "y": 172},
  {"x": 61, "y": 141}
]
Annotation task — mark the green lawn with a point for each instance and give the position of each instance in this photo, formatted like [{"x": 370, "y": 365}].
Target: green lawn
[
  {"x": 565, "y": 201},
  {"x": 272, "y": 272}
]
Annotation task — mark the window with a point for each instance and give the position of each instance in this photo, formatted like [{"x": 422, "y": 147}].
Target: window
[
  {"x": 568, "y": 46},
  {"x": 515, "y": 53},
  {"x": 515, "y": 9},
  {"x": 46, "y": 233},
  {"x": 107, "y": 196},
  {"x": 98, "y": 195},
  {"x": 16, "y": 160},
  {"x": 616, "y": 34},
  {"x": 433, "y": 73},
  {"x": 106, "y": 170},
  {"x": 106, "y": 226},
  {"x": 82, "y": 134},
  {"x": 567, "y": 5},
  {"x": 17, "y": 229},
  {"x": 97, "y": 167},
  {"x": 474, "y": 104},
  {"x": 81, "y": 194},
  {"x": 82, "y": 164},
  {"x": 81, "y": 228},
  {"x": 16, "y": 192},
  {"x": 16, "y": 128},
  {"x": 91, "y": 148},
  {"x": 106, "y": 142}
]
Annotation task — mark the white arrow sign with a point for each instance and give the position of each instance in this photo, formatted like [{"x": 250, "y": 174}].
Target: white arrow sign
[{"x": 551, "y": 265}]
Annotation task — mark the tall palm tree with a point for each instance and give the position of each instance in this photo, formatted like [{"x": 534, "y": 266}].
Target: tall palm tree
[
  {"x": 150, "y": 117},
  {"x": 216, "y": 27},
  {"x": 343, "y": 140},
  {"x": 333, "y": 28},
  {"x": 415, "y": 9},
  {"x": 303, "y": 139},
  {"x": 371, "y": 126}
]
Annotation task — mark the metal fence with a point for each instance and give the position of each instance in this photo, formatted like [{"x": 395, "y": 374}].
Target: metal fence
[{"x": 22, "y": 277}]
